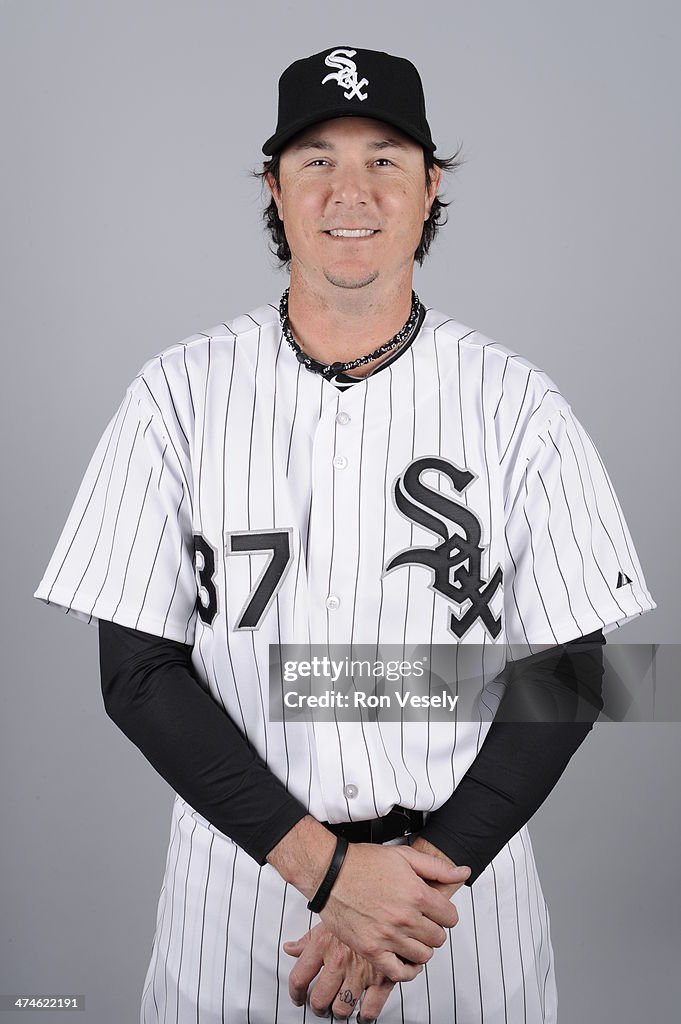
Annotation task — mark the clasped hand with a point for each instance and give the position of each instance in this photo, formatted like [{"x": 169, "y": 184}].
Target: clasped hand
[
  {"x": 344, "y": 976},
  {"x": 387, "y": 911}
]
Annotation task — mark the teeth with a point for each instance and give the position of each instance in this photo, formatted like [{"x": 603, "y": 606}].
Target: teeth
[{"x": 354, "y": 233}]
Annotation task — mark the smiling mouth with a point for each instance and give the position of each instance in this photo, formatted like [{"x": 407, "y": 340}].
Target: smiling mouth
[{"x": 351, "y": 232}]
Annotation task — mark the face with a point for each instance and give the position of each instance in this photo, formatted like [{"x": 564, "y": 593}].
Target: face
[{"x": 352, "y": 174}]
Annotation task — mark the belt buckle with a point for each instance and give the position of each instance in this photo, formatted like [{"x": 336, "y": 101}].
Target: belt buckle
[
  {"x": 411, "y": 817},
  {"x": 376, "y": 830}
]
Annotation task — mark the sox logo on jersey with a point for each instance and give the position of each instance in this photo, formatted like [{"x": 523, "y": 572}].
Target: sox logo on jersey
[
  {"x": 455, "y": 563},
  {"x": 236, "y": 501}
]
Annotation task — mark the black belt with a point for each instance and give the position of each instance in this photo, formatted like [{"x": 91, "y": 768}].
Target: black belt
[{"x": 401, "y": 821}]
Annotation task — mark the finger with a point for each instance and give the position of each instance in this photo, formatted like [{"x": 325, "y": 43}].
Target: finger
[
  {"x": 326, "y": 987},
  {"x": 447, "y": 889},
  {"x": 396, "y": 969},
  {"x": 412, "y": 950},
  {"x": 433, "y": 868},
  {"x": 438, "y": 909},
  {"x": 373, "y": 1001},
  {"x": 357, "y": 975},
  {"x": 296, "y": 946},
  {"x": 293, "y": 947},
  {"x": 306, "y": 968},
  {"x": 432, "y": 934},
  {"x": 348, "y": 995},
  {"x": 412, "y": 970}
]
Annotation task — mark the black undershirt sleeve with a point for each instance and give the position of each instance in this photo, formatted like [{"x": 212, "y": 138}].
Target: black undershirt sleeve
[
  {"x": 552, "y": 700},
  {"x": 153, "y": 695}
]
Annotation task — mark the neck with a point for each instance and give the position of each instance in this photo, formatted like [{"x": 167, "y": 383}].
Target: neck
[{"x": 341, "y": 324}]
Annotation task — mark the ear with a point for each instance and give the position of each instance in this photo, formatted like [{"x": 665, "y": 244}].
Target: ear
[
  {"x": 275, "y": 191},
  {"x": 432, "y": 189}
]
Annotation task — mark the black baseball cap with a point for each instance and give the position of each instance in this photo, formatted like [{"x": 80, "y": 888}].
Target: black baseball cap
[{"x": 344, "y": 81}]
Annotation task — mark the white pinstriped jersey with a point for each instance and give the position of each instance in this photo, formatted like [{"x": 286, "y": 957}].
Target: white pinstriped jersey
[{"x": 235, "y": 501}]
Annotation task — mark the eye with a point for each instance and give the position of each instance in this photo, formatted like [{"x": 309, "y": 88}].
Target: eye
[
  {"x": 319, "y": 160},
  {"x": 383, "y": 160}
]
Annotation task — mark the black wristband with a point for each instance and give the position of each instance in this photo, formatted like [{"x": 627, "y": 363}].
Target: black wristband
[{"x": 322, "y": 894}]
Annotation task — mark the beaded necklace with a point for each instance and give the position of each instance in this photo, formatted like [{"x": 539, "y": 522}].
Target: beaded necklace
[{"x": 328, "y": 370}]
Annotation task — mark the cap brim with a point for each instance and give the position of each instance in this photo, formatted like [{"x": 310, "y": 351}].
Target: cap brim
[{"x": 277, "y": 141}]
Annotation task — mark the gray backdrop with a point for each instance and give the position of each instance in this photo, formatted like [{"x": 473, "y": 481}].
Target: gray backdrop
[{"x": 130, "y": 222}]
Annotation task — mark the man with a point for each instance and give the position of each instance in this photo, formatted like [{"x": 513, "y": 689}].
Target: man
[{"x": 345, "y": 467}]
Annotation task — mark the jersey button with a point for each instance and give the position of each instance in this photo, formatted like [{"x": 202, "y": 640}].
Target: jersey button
[
  {"x": 332, "y": 602},
  {"x": 340, "y": 462},
  {"x": 342, "y": 418},
  {"x": 350, "y": 791}
]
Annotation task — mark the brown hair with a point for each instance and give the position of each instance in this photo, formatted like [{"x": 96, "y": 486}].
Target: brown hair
[{"x": 275, "y": 227}]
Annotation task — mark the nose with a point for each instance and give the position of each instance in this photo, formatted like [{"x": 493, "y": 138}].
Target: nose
[{"x": 349, "y": 187}]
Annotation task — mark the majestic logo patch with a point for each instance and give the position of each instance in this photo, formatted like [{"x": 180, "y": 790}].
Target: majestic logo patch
[
  {"x": 455, "y": 562},
  {"x": 346, "y": 76}
]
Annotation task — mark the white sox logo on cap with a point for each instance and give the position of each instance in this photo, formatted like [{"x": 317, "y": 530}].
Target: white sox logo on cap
[{"x": 346, "y": 76}]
